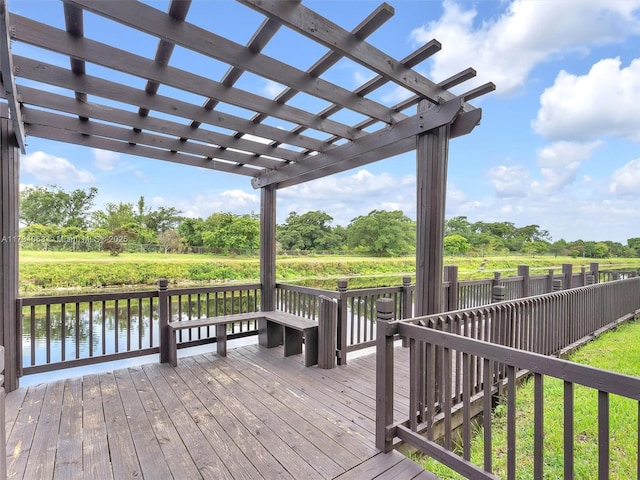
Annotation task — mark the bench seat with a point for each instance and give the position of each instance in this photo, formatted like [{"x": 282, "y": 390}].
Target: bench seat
[{"x": 295, "y": 329}]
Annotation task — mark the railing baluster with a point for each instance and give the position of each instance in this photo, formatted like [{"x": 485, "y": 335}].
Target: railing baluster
[
  {"x": 63, "y": 332},
  {"x": 603, "y": 435},
  {"x": 487, "y": 402},
  {"x": 568, "y": 429},
  {"x": 511, "y": 422},
  {"x": 538, "y": 427},
  {"x": 78, "y": 329}
]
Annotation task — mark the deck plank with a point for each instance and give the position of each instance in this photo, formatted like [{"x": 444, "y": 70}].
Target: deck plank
[
  {"x": 147, "y": 447},
  {"x": 21, "y": 438},
  {"x": 43, "y": 450},
  {"x": 95, "y": 449},
  {"x": 173, "y": 449},
  {"x": 251, "y": 415},
  {"x": 68, "y": 463}
]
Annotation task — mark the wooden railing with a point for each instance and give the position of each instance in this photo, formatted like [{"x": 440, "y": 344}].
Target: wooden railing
[
  {"x": 66, "y": 331},
  {"x": 73, "y": 330},
  {"x": 460, "y": 361}
]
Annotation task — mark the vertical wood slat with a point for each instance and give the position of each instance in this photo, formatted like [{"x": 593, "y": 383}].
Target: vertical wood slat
[
  {"x": 63, "y": 332},
  {"x": 511, "y": 422},
  {"x": 603, "y": 435},
  {"x": 538, "y": 427},
  {"x": 486, "y": 419},
  {"x": 568, "y": 429}
]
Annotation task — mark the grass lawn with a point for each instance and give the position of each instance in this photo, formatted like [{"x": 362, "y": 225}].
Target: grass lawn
[{"x": 617, "y": 350}]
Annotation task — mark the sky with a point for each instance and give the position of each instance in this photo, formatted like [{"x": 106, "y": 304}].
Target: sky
[{"x": 558, "y": 145}]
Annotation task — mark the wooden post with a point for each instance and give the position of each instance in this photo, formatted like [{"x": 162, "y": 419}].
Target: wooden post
[
  {"x": 594, "y": 267},
  {"x": 567, "y": 276},
  {"x": 432, "y": 150},
  {"x": 342, "y": 323},
  {"x": 327, "y": 332},
  {"x": 267, "y": 263},
  {"x": 451, "y": 276},
  {"x": 9, "y": 231},
  {"x": 550, "y": 280},
  {"x": 163, "y": 319},
  {"x": 523, "y": 271},
  {"x": 407, "y": 300},
  {"x": 384, "y": 373},
  {"x": 498, "y": 290}
]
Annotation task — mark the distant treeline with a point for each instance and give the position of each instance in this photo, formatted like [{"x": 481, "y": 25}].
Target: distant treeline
[{"x": 58, "y": 220}]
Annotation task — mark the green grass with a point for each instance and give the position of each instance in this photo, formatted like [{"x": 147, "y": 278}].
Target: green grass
[
  {"x": 43, "y": 272},
  {"x": 617, "y": 350}
]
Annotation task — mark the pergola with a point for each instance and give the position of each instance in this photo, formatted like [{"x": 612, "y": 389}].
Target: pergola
[{"x": 203, "y": 135}]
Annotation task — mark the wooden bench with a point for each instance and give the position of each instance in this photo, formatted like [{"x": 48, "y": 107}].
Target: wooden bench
[{"x": 295, "y": 329}]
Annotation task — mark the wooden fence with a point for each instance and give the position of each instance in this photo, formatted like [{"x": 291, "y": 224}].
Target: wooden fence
[
  {"x": 73, "y": 330},
  {"x": 460, "y": 361}
]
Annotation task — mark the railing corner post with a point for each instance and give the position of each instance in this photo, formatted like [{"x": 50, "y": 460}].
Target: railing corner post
[
  {"x": 453, "y": 297},
  {"x": 498, "y": 290},
  {"x": 163, "y": 313},
  {"x": 327, "y": 330},
  {"x": 567, "y": 276},
  {"x": 341, "y": 341},
  {"x": 384, "y": 373},
  {"x": 407, "y": 300},
  {"x": 524, "y": 272}
]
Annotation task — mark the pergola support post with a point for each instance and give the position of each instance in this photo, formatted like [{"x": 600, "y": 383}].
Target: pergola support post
[
  {"x": 432, "y": 149},
  {"x": 268, "y": 263},
  {"x": 9, "y": 216}
]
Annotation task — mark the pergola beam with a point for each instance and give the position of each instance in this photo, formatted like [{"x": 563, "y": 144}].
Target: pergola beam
[
  {"x": 155, "y": 22},
  {"x": 52, "y": 75},
  {"x": 343, "y": 155},
  {"x": 103, "y": 143},
  {"x": 309, "y": 23},
  {"x": 275, "y": 157},
  {"x": 8, "y": 79},
  {"x": 56, "y": 40}
]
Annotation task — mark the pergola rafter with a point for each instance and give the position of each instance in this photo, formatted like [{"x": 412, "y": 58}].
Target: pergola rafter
[{"x": 131, "y": 113}]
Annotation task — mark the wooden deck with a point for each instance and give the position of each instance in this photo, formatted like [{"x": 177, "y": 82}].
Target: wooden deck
[{"x": 251, "y": 415}]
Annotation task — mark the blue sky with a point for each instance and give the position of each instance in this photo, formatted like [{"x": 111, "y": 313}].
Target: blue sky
[{"x": 558, "y": 146}]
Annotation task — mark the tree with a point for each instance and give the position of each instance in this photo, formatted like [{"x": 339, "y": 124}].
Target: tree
[
  {"x": 456, "y": 245},
  {"x": 191, "y": 230},
  {"x": 382, "y": 233},
  {"x": 228, "y": 232},
  {"x": 309, "y": 231},
  {"x": 51, "y": 205},
  {"x": 170, "y": 240},
  {"x": 537, "y": 247}
]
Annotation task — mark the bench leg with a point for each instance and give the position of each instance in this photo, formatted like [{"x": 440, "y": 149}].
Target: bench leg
[
  {"x": 292, "y": 341},
  {"x": 221, "y": 339},
  {"x": 311, "y": 347},
  {"x": 173, "y": 348},
  {"x": 270, "y": 333}
]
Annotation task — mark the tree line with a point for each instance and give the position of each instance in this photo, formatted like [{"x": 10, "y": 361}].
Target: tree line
[{"x": 55, "y": 219}]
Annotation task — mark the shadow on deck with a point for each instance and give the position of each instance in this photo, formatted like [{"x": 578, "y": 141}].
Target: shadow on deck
[{"x": 253, "y": 415}]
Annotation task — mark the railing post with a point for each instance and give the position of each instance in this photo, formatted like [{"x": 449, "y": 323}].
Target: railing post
[
  {"x": 557, "y": 285},
  {"x": 523, "y": 271},
  {"x": 384, "y": 373},
  {"x": 583, "y": 275},
  {"x": 594, "y": 267},
  {"x": 498, "y": 291},
  {"x": 163, "y": 314},
  {"x": 342, "y": 323},
  {"x": 327, "y": 330},
  {"x": 550, "y": 280},
  {"x": 407, "y": 301},
  {"x": 567, "y": 276},
  {"x": 451, "y": 276}
]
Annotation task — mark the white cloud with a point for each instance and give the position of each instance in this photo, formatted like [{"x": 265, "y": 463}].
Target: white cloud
[
  {"x": 234, "y": 201},
  {"x": 509, "y": 181},
  {"x": 506, "y": 49},
  {"x": 51, "y": 169},
  {"x": 104, "y": 159},
  {"x": 626, "y": 180},
  {"x": 559, "y": 163},
  {"x": 602, "y": 103},
  {"x": 345, "y": 197},
  {"x": 272, "y": 89}
]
